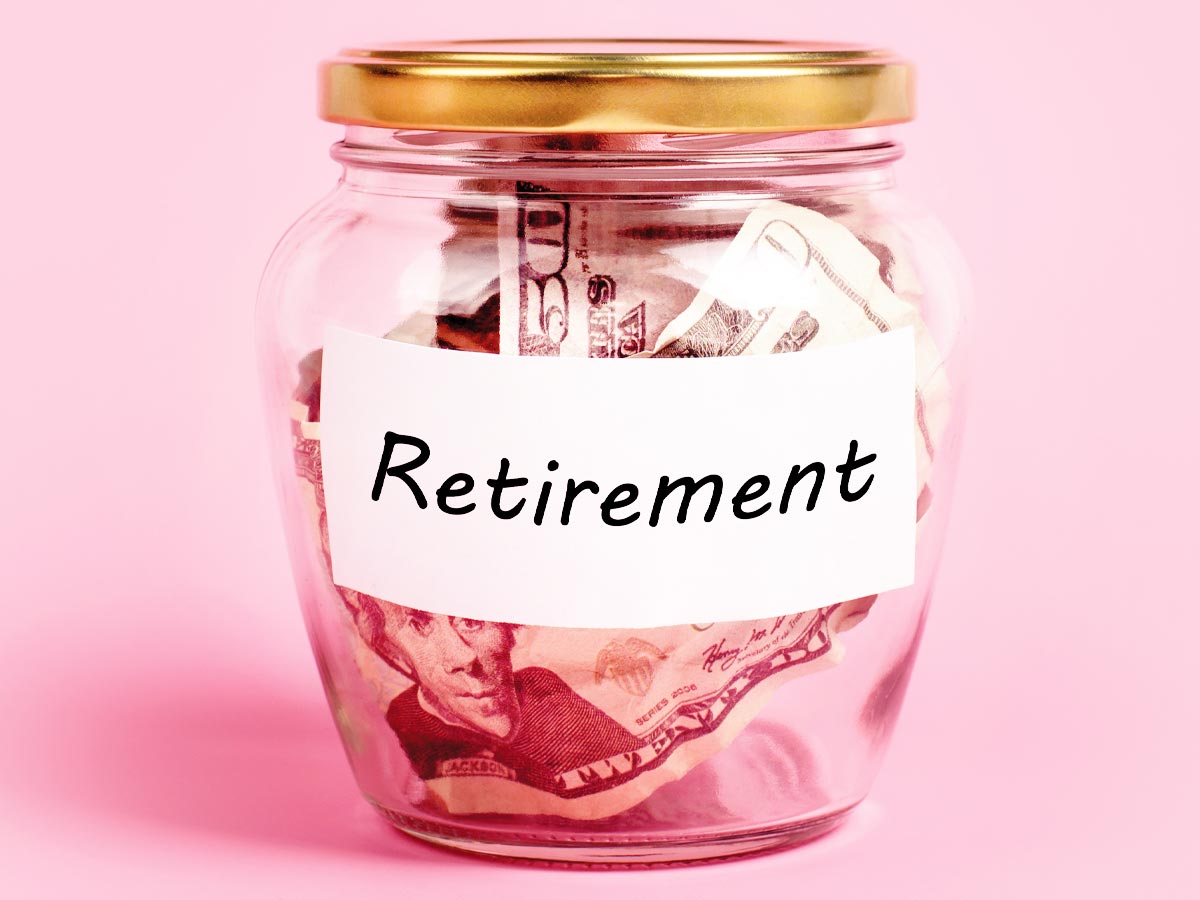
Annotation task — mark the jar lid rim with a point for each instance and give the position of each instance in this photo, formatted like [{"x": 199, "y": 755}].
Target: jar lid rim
[{"x": 617, "y": 86}]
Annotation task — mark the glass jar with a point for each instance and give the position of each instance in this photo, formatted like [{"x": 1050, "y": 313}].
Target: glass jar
[{"x": 693, "y": 638}]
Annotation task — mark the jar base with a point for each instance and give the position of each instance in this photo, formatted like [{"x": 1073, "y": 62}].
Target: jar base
[{"x": 631, "y": 851}]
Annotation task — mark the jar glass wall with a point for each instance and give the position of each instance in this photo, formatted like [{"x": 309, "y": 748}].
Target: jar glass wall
[{"x": 413, "y": 246}]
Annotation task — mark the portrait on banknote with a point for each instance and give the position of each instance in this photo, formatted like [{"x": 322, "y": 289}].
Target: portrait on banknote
[{"x": 469, "y": 713}]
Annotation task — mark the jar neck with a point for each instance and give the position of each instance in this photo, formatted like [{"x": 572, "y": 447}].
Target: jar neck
[{"x": 632, "y": 165}]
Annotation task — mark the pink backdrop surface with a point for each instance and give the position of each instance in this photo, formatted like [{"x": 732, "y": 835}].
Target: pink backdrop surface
[{"x": 164, "y": 731}]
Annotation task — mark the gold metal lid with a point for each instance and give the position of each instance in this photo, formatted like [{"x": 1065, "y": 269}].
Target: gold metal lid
[{"x": 645, "y": 87}]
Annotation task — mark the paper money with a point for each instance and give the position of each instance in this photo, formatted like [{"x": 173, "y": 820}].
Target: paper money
[
  {"x": 505, "y": 718},
  {"x": 794, "y": 279},
  {"x": 577, "y": 279}
]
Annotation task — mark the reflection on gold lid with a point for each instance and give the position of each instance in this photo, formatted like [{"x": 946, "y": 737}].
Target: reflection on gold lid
[{"x": 647, "y": 87}]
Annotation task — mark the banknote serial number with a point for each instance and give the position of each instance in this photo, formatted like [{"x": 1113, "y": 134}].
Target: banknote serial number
[{"x": 671, "y": 500}]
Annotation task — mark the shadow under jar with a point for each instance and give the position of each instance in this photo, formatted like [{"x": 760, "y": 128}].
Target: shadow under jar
[{"x": 615, "y": 397}]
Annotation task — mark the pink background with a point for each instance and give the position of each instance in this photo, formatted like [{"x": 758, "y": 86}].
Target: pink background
[{"x": 164, "y": 729}]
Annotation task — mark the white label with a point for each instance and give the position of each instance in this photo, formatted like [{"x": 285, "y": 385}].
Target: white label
[{"x": 765, "y": 426}]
